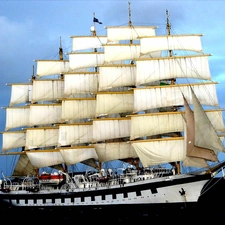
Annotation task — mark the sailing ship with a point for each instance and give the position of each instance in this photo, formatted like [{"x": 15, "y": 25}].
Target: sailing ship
[{"x": 130, "y": 119}]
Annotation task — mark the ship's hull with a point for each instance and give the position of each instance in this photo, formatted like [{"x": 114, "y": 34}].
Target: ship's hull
[{"x": 178, "y": 192}]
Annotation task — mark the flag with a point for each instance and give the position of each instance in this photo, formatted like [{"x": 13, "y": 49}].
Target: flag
[{"x": 96, "y": 20}]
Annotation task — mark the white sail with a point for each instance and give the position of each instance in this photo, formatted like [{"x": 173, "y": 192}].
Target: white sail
[
  {"x": 87, "y": 42},
  {"x": 20, "y": 93},
  {"x": 195, "y": 154},
  {"x": 171, "y": 42},
  {"x": 13, "y": 139},
  {"x": 73, "y": 134},
  {"x": 154, "y": 69},
  {"x": 117, "y": 52},
  {"x": 41, "y": 137},
  {"x": 118, "y": 97},
  {"x": 111, "y": 76},
  {"x": 51, "y": 67},
  {"x": 116, "y": 150},
  {"x": 77, "y": 154},
  {"x": 158, "y": 151},
  {"x": 77, "y": 83},
  {"x": 17, "y": 117},
  {"x": 42, "y": 114},
  {"x": 47, "y": 90},
  {"x": 79, "y": 60},
  {"x": 45, "y": 158},
  {"x": 114, "y": 102},
  {"x": 24, "y": 167},
  {"x": 206, "y": 135},
  {"x": 75, "y": 109},
  {"x": 116, "y": 33},
  {"x": 171, "y": 95},
  {"x": 110, "y": 128},
  {"x": 153, "y": 123}
]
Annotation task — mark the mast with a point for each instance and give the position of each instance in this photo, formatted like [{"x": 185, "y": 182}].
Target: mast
[
  {"x": 168, "y": 28},
  {"x": 129, "y": 15},
  {"x": 129, "y": 19},
  {"x": 62, "y": 76},
  {"x": 93, "y": 30},
  {"x": 60, "y": 50},
  {"x": 33, "y": 76},
  {"x": 168, "y": 25},
  {"x": 172, "y": 82},
  {"x": 94, "y": 27},
  {"x": 61, "y": 54}
]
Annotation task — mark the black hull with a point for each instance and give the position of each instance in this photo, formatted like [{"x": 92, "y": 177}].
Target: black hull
[
  {"x": 115, "y": 213},
  {"x": 119, "y": 213}
]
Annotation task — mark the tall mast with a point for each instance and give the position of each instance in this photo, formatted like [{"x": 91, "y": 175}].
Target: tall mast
[{"x": 168, "y": 28}]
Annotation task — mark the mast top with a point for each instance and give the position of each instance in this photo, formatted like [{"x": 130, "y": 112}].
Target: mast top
[
  {"x": 93, "y": 29},
  {"x": 168, "y": 25},
  {"x": 129, "y": 16}
]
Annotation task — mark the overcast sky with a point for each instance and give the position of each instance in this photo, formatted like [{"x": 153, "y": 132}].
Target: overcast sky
[{"x": 31, "y": 30}]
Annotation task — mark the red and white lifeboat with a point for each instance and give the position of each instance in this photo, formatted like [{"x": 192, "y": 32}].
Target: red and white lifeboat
[{"x": 51, "y": 178}]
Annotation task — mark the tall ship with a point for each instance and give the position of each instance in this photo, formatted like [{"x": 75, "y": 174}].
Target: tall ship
[{"x": 130, "y": 119}]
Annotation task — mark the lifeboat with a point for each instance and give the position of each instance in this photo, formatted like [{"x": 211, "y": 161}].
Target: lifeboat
[{"x": 51, "y": 178}]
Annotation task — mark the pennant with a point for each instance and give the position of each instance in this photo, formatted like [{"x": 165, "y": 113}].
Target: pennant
[{"x": 96, "y": 20}]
